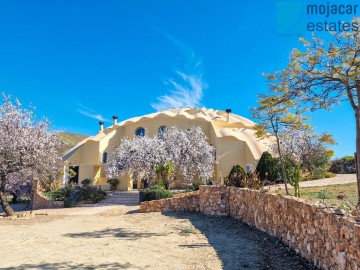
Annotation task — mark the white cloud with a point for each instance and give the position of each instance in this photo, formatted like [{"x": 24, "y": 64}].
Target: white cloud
[
  {"x": 187, "y": 88},
  {"x": 91, "y": 113}
]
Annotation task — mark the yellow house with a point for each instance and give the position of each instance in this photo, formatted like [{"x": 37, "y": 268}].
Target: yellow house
[{"x": 232, "y": 136}]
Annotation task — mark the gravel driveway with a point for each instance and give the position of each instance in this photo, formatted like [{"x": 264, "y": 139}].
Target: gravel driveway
[{"x": 122, "y": 238}]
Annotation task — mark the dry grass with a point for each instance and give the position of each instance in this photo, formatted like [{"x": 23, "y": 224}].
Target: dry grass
[{"x": 329, "y": 193}]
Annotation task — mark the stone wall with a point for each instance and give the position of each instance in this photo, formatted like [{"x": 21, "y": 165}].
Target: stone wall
[
  {"x": 328, "y": 240},
  {"x": 179, "y": 203},
  {"x": 40, "y": 202},
  {"x": 214, "y": 200}
]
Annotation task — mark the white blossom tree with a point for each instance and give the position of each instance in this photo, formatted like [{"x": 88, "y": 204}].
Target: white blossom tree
[
  {"x": 309, "y": 150},
  {"x": 137, "y": 156},
  {"x": 187, "y": 150},
  {"x": 190, "y": 152},
  {"x": 28, "y": 149}
]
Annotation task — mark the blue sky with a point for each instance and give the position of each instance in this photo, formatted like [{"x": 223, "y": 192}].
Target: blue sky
[{"x": 80, "y": 61}]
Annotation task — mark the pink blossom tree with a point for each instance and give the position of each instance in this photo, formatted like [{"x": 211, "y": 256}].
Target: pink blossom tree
[
  {"x": 28, "y": 149},
  {"x": 187, "y": 150}
]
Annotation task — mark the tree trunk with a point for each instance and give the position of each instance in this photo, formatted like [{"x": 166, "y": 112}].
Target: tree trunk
[
  {"x": 15, "y": 197},
  {"x": 282, "y": 164},
  {"x": 357, "y": 160},
  {"x": 3, "y": 201}
]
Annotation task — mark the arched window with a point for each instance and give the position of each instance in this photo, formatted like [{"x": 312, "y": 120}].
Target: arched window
[
  {"x": 162, "y": 130},
  {"x": 140, "y": 132}
]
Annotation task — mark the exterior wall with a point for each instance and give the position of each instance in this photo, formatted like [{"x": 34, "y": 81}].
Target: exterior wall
[
  {"x": 125, "y": 183},
  {"x": 230, "y": 153},
  {"x": 328, "y": 240},
  {"x": 87, "y": 154},
  {"x": 151, "y": 126},
  {"x": 40, "y": 202},
  {"x": 76, "y": 157},
  {"x": 86, "y": 172},
  {"x": 230, "y": 149}
]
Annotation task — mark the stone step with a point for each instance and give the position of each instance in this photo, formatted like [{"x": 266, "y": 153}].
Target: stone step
[
  {"x": 123, "y": 195},
  {"x": 122, "y": 198},
  {"x": 120, "y": 201},
  {"x": 111, "y": 201}
]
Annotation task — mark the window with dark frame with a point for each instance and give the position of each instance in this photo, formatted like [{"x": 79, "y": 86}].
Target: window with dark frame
[
  {"x": 140, "y": 132},
  {"x": 104, "y": 157},
  {"x": 162, "y": 130}
]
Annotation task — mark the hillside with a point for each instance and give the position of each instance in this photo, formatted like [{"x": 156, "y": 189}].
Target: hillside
[{"x": 69, "y": 140}]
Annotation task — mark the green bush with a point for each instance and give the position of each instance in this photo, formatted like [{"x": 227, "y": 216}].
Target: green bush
[
  {"x": 60, "y": 194},
  {"x": 155, "y": 192},
  {"x": 329, "y": 175},
  {"x": 86, "y": 182},
  {"x": 268, "y": 164},
  {"x": 237, "y": 177},
  {"x": 318, "y": 173},
  {"x": 73, "y": 198},
  {"x": 91, "y": 194},
  {"x": 113, "y": 182},
  {"x": 196, "y": 185}
]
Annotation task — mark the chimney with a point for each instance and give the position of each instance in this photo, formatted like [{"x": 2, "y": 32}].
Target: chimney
[
  {"x": 228, "y": 111},
  {"x": 115, "y": 120},
  {"x": 101, "y": 126}
]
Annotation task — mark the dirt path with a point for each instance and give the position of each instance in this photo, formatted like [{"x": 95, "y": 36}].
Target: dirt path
[
  {"x": 122, "y": 238},
  {"x": 339, "y": 179}
]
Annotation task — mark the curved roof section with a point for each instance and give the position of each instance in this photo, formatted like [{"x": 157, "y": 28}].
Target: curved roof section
[
  {"x": 218, "y": 118},
  {"x": 209, "y": 115}
]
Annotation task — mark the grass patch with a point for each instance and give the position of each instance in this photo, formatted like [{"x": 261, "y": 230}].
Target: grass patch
[
  {"x": 187, "y": 230},
  {"x": 329, "y": 193},
  {"x": 21, "y": 199}
]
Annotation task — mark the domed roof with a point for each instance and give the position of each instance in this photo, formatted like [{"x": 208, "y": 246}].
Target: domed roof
[
  {"x": 237, "y": 127},
  {"x": 209, "y": 115}
]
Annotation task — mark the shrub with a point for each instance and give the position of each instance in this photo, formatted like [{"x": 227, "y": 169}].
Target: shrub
[
  {"x": 253, "y": 181},
  {"x": 343, "y": 165},
  {"x": 237, "y": 177},
  {"x": 293, "y": 175},
  {"x": 318, "y": 173},
  {"x": 60, "y": 194},
  {"x": 73, "y": 198},
  {"x": 196, "y": 185},
  {"x": 91, "y": 194},
  {"x": 113, "y": 182},
  {"x": 268, "y": 164},
  {"x": 329, "y": 175},
  {"x": 156, "y": 192},
  {"x": 86, "y": 182},
  {"x": 187, "y": 230}
]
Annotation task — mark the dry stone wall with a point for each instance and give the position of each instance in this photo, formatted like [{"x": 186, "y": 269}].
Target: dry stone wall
[
  {"x": 328, "y": 240},
  {"x": 214, "y": 200},
  {"x": 179, "y": 203}
]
